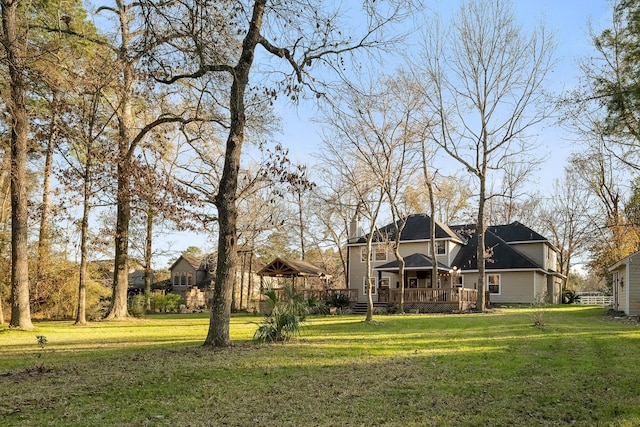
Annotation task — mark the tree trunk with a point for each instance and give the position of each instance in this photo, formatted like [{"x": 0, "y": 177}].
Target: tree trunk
[
  {"x": 148, "y": 247},
  {"x": 121, "y": 269},
  {"x": 5, "y": 189},
  {"x": 369, "y": 317},
  {"x": 401, "y": 273},
  {"x": 20, "y": 310},
  {"x": 481, "y": 246},
  {"x": 250, "y": 285},
  {"x": 432, "y": 243},
  {"x": 118, "y": 308},
  {"x": 225, "y": 201},
  {"x": 81, "y": 315},
  {"x": 45, "y": 223},
  {"x": 302, "y": 249}
]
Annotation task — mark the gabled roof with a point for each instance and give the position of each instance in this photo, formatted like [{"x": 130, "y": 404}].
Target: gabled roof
[
  {"x": 415, "y": 261},
  {"x": 416, "y": 227},
  {"x": 503, "y": 256},
  {"x": 515, "y": 232},
  {"x": 284, "y": 267},
  {"x": 624, "y": 260},
  {"x": 191, "y": 259}
]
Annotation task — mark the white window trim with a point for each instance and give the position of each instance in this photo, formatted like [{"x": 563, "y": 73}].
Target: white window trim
[
  {"x": 372, "y": 255},
  {"x": 438, "y": 242},
  {"x": 363, "y": 257},
  {"x": 375, "y": 286},
  {"x": 377, "y": 251},
  {"x": 499, "y": 283}
]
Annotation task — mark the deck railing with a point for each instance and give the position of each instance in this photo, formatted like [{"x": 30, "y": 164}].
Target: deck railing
[
  {"x": 430, "y": 295},
  {"x": 319, "y": 294}
]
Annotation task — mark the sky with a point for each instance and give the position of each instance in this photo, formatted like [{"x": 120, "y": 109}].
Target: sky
[{"x": 568, "y": 19}]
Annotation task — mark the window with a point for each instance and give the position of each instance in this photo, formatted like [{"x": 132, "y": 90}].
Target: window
[
  {"x": 381, "y": 255},
  {"x": 190, "y": 279},
  {"x": 441, "y": 248},
  {"x": 493, "y": 281},
  {"x": 384, "y": 282},
  {"x": 457, "y": 279},
  {"x": 378, "y": 255},
  {"x": 365, "y": 288}
]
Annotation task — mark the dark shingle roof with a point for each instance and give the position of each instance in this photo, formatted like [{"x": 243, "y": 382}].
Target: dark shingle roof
[
  {"x": 515, "y": 232},
  {"x": 503, "y": 256},
  {"x": 287, "y": 267},
  {"x": 417, "y": 227}
]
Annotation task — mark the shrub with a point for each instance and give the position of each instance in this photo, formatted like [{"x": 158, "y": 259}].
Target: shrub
[
  {"x": 569, "y": 297},
  {"x": 137, "y": 305},
  {"x": 338, "y": 300},
  {"x": 315, "y": 306},
  {"x": 283, "y": 322},
  {"x": 165, "y": 303}
]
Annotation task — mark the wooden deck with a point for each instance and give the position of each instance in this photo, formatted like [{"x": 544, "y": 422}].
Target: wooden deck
[
  {"x": 429, "y": 300},
  {"x": 423, "y": 300}
]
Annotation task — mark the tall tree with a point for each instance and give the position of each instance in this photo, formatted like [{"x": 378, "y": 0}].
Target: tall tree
[
  {"x": 383, "y": 129},
  {"x": 307, "y": 33},
  {"x": 613, "y": 236},
  {"x": 566, "y": 219},
  {"x": 86, "y": 132},
  {"x": 484, "y": 79},
  {"x": 612, "y": 82},
  {"x": 14, "y": 41},
  {"x": 129, "y": 47}
]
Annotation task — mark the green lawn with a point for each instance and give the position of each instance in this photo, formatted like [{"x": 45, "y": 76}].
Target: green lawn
[{"x": 582, "y": 368}]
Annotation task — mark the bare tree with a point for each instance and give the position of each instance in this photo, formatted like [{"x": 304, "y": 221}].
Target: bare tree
[
  {"x": 602, "y": 176},
  {"x": 566, "y": 219},
  {"x": 484, "y": 79},
  {"x": 383, "y": 129},
  {"x": 511, "y": 201},
  {"x": 298, "y": 34}
]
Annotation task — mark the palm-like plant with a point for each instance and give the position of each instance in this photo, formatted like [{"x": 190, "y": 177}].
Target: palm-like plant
[{"x": 283, "y": 321}]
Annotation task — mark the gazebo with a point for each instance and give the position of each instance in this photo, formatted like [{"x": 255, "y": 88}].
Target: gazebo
[{"x": 292, "y": 268}]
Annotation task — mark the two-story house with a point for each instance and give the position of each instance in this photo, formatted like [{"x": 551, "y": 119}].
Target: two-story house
[{"x": 521, "y": 266}]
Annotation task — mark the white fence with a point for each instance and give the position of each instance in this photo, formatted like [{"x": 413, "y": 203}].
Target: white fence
[{"x": 605, "y": 300}]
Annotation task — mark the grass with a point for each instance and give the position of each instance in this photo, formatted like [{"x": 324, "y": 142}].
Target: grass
[{"x": 580, "y": 368}]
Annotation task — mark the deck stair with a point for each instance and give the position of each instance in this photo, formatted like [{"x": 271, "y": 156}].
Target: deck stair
[{"x": 361, "y": 307}]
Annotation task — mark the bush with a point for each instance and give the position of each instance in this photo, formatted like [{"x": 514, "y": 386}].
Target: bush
[
  {"x": 165, "y": 303},
  {"x": 338, "y": 300},
  {"x": 137, "y": 305},
  {"x": 569, "y": 297},
  {"x": 283, "y": 322},
  {"x": 315, "y": 306}
]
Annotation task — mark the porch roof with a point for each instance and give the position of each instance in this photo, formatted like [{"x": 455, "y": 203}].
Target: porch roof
[{"x": 415, "y": 261}]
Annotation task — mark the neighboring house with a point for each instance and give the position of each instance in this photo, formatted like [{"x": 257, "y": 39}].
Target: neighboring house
[
  {"x": 188, "y": 271},
  {"x": 521, "y": 267},
  {"x": 194, "y": 278},
  {"x": 626, "y": 285}
]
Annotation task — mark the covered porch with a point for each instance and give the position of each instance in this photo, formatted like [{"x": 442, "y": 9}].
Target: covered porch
[{"x": 419, "y": 292}]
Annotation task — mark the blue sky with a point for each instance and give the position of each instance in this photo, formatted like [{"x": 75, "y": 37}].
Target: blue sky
[{"x": 568, "y": 19}]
